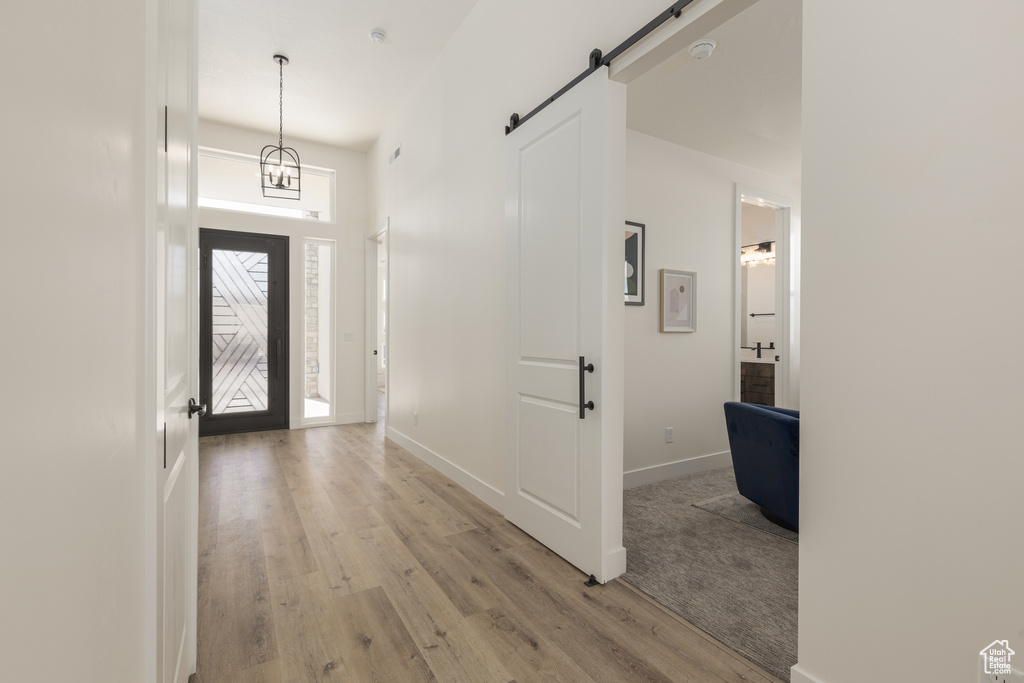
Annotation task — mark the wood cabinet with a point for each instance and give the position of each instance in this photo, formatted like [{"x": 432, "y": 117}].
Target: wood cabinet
[{"x": 757, "y": 383}]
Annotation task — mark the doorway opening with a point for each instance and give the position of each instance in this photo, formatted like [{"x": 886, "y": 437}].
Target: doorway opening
[
  {"x": 243, "y": 331},
  {"x": 377, "y": 324},
  {"x": 702, "y": 134},
  {"x": 764, "y": 289},
  {"x": 382, "y": 326}
]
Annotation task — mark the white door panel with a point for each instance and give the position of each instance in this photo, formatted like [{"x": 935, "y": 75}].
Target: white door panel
[
  {"x": 549, "y": 461},
  {"x": 563, "y": 482},
  {"x": 176, "y": 376},
  {"x": 549, "y": 244}
]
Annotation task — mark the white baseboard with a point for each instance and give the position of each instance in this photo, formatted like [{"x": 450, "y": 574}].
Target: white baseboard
[
  {"x": 679, "y": 468},
  {"x": 344, "y": 419},
  {"x": 481, "y": 489},
  {"x": 798, "y": 675}
]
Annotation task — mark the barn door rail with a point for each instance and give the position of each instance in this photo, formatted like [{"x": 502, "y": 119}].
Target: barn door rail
[{"x": 597, "y": 60}]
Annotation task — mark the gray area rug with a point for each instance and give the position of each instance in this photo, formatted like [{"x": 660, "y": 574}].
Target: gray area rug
[
  {"x": 737, "y": 508},
  {"x": 735, "y": 582}
]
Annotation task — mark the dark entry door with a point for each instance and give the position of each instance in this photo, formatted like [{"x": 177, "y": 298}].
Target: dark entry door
[{"x": 243, "y": 331}]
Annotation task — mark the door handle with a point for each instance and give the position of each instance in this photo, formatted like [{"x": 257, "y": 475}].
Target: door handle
[
  {"x": 277, "y": 366},
  {"x": 585, "y": 405},
  {"x": 196, "y": 408}
]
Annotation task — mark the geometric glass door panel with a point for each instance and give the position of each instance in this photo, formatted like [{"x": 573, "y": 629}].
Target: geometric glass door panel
[
  {"x": 243, "y": 331},
  {"x": 239, "y": 332}
]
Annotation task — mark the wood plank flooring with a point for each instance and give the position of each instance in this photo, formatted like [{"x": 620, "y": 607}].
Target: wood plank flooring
[{"x": 331, "y": 554}]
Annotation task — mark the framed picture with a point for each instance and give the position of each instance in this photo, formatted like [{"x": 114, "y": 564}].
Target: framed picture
[
  {"x": 635, "y": 263},
  {"x": 678, "y": 301}
]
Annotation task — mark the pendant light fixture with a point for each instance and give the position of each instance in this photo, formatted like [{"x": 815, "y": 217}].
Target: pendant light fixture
[
  {"x": 280, "y": 171},
  {"x": 756, "y": 254}
]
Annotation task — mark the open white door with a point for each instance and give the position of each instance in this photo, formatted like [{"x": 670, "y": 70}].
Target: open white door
[
  {"x": 564, "y": 224},
  {"x": 175, "y": 498}
]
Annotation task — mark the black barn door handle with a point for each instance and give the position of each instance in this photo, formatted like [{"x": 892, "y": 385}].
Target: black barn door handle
[{"x": 585, "y": 405}]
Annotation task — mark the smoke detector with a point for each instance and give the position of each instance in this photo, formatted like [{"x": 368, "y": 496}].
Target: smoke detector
[
  {"x": 702, "y": 49},
  {"x": 377, "y": 36}
]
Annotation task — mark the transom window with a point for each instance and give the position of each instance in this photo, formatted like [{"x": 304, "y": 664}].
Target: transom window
[{"x": 231, "y": 181}]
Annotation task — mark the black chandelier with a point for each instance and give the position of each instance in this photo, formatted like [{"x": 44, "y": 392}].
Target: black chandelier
[{"x": 280, "y": 171}]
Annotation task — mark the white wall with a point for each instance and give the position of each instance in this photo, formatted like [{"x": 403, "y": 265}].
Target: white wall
[
  {"x": 445, "y": 198},
  {"x": 687, "y": 201},
  {"x": 758, "y": 224},
  {"x": 71, "y": 304},
  {"x": 912, "y": 465},
  {"x": 348, "y": 229},
  {"x": 759, "y": 297}
]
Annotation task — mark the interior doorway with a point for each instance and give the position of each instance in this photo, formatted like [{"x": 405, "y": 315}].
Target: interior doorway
[
  {"x": 763, "y": 298},
  {"x": 243, "y": 331},
  {"x": 706, "y": 133},
  {"x": 381, "y": 349},
  {"x": 377, "y": 322}
]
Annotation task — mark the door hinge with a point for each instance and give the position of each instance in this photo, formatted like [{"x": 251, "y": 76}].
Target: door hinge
[
  {"x": 165, "y": 445},
  {"x": 165, "y": 129}
]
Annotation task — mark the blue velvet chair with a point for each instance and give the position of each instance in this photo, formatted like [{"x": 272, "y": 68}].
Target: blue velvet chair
[{"x": 765, "y": 445}]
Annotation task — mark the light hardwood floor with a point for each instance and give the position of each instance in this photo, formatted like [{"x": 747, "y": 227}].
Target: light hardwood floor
[{"x": 330, "y": 554}]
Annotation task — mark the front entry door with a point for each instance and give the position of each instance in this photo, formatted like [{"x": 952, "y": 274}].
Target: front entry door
[
  {"x": 564, "y": 249},
  {"x": 243, "y": 352}
]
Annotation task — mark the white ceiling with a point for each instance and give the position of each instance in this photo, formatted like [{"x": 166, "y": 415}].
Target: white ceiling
[
  {"x": 340, "y": 88},
  {"x": 740, "y": 104}
]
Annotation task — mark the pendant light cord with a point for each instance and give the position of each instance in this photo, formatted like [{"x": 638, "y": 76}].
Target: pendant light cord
[
  {"x": 280, "y": 110},
  {"x": 280, "y": 178}
]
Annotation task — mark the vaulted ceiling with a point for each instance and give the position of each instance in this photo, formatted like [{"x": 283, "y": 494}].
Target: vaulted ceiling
[
  {"x": 340, "y": 88},
  {"x": 741, "y": 104}
]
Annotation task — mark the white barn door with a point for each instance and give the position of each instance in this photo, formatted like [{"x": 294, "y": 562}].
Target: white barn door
[{"x": 564, "y": 301}]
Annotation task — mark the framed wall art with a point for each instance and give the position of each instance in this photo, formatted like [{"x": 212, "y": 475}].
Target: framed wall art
[
  {"x": 678, "y": 301},
  {"x": 635, "y": 263}
]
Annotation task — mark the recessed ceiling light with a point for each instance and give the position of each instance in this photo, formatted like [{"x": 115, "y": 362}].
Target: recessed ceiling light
[
  {"x": 702, "y": 49},
  {"x": 377, "y": 36}
]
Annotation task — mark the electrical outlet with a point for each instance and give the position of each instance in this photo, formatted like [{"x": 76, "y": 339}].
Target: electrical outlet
[
  {"x": 415, "y": 418},
  {"x": 668, "y": 435}
]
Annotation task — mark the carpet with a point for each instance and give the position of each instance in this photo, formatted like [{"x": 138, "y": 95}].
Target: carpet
[
  {"x": 737, "y": 508},
  {"x": 734, "y": 582}
]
